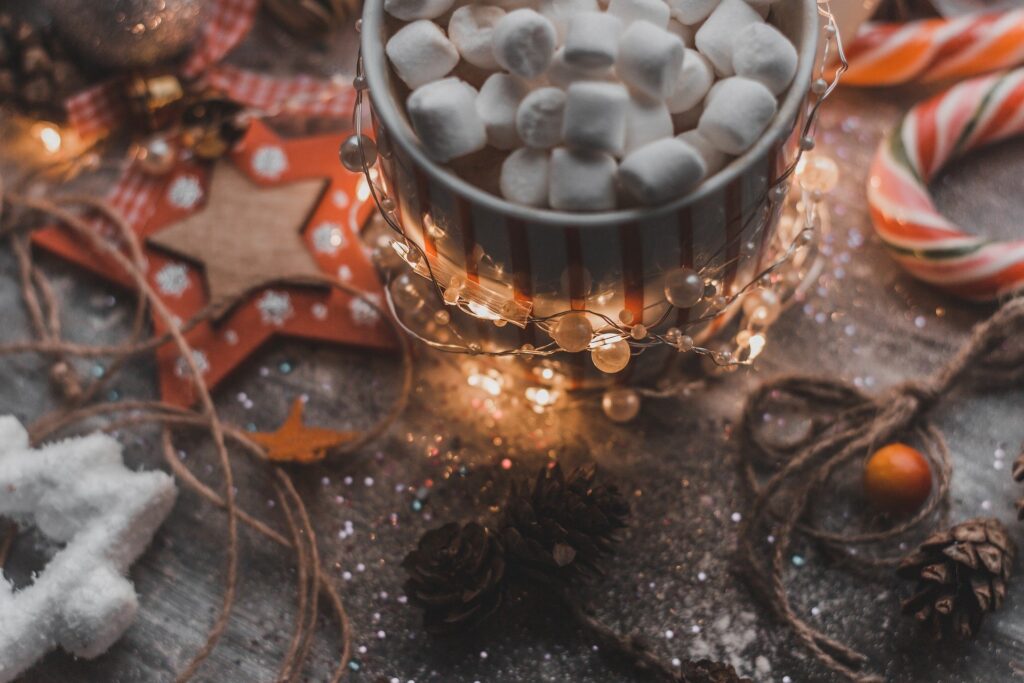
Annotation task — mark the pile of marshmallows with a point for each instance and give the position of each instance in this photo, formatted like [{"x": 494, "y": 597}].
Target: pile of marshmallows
[{"x": 635, "y": 103}]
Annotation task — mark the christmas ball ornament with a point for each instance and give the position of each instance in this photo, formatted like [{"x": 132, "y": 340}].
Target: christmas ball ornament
[
  {"x": 128, "y": 33},
  {"x": 573, "y": 332},
  {"x": 610, "y": 355},
  {"x": 684, "y": 288},
  {"x": 155, "y": 156},
  {"x": 897, "y": 479},
  {"x": 620, "y": 404}
]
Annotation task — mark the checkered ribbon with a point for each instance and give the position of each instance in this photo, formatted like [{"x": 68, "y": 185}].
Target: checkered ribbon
[{"x": 97, "y": 111}]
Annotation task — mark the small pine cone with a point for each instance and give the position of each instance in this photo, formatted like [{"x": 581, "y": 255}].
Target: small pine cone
[
  {"x": 707, "y": 671},
  {"x": 961, "y": 575},
  {"x": 34, "y": 73},
  {"x": 559, "y": 530},
  {"x": 456, "y": 574}
]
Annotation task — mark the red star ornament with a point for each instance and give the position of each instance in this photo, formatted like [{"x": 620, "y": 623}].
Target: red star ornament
[{"x": 328, "y": 229}]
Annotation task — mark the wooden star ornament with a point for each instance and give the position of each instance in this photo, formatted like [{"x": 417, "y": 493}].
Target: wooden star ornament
[
  {"x": 263, "y": 220},
  {"x": 295, "y": 442}
]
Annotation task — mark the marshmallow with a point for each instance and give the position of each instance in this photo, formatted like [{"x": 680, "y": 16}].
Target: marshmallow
[
  {"x": 471, "y": 30},
  {"x": 693, "y": 83},
  {"x": 595, "y": 117},
  {"x": 539, "y": 118},
  {"x": 496, "y": 106},
  {"x": 421, "y": 53},
  {"x": 628, "y": 11},
  {"x": 408, "y": 10},
  {"x": 562, "y": 74},
  {"x": 760, "y": 52},
  {"x": 591, "y": 42},
  {"x": 581, "y": 181},
  {"x": 650, "y": 59},
  {"x": 691, "y": 12},
  {"x": 714, "y": 160},
  {"x": 443, "y": 114},
  {"x": 685, "y": 33},
  {"x": 661, "y": 171},
  {"x": 646, "y": 121},
  {"x": 524, "y": 177},
  {"x": 736, "y": 113},
  {"x": 559, "y": 12},
  {"x": 715, "y": 38},
  {"x": 524, "y": 43}
]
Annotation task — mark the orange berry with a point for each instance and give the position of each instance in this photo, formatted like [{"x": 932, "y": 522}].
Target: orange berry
[{"x": 897, "y": 479}]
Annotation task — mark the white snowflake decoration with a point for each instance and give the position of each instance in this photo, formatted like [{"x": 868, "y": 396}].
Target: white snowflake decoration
[
  {"x": 185, "y": 192},
  {"x": 269, "y": 161},
  {"x": 362, "y": 312},
  {"x": 275, "y": 307},
  {"x": 172, "y": 279},
  {"x": 77, "y": 493},
  {"x": 344, "y": 273},
  {"x": 340, "y": 198},
  {"x": 328, "y": 238},
  {"x": 181, "y": 368},
  {"x": 319, "y": 311}
]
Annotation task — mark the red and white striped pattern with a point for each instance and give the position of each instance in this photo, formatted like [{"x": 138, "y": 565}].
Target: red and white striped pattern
[
  {"x": 302, "y": 95},
  {"x": 927, "y": 244},
  {"x": 554, "y": 267},
  {"x": 933, "y": 50},
  {"x": 230, "y": 20},
  {"x": 95, "y": 111}
]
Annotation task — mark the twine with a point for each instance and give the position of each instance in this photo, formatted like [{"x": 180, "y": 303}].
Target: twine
[
  {"x": 44, "y": 315},
  {"x": 846, "y": 425}
]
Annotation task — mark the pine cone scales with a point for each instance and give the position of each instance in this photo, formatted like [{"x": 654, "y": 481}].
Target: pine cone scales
[
  {"x": 558, "y": 531},
  {"x": 456, "y": 574},
  {"x": 707, "y": 671},
  {"x": 34, "y": 70},
  {"x": 961, "y": 575}
]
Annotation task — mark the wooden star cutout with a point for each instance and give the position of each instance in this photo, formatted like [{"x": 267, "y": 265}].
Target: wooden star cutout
[
  {"x": 295, "y": 442},
  {"x": 246, "y": 236},
  {"x": 318, "y": 209}
]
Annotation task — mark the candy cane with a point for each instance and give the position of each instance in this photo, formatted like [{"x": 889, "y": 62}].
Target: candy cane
[
  {"x": 935, "y": 49},
  {"x": 928, "y": 245}
]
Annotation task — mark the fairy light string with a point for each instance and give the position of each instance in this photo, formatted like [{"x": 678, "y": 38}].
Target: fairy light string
[{"x": 625, "y": 336}]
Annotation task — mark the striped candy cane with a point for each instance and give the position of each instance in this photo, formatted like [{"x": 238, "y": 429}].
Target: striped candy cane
[
  {"x": 935, "y": 49},
  {"x": 928, "y": 245}
]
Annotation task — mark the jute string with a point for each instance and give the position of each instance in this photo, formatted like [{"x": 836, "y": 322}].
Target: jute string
[
  {"x": 847, "y": 425},
  {"x": 126, "y": 253}
]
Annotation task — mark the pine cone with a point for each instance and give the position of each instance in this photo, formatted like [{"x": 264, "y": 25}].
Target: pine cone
[
  {"x": 558, "y": 531},
  {"x": 456, "y": 574},
  {"x": 707, "y": 671},
  {"x": 35, "y": 72},
  {"x": 962, "y": 576},
  {"x": 311, "y": 18},
  {"x": 1018, "y": 476}
]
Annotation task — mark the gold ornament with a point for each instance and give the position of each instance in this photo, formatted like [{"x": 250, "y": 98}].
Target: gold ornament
[
  {"x": 573, "y": 332},
  {"x": 611, "y": 354}
]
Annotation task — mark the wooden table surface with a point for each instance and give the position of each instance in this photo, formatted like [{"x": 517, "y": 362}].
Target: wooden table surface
[{"x": 453, "y": 453}]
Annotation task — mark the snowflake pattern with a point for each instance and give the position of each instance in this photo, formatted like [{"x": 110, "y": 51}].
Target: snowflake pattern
[
  {"x": 172, "y": 279},
  {"x": 340, "y": 199},
  {"x": 269, "y": 161},
  {"x": 275, "y": 307},
  {"x": 185, "y": 192},
  {"x": 319, "y": 311},
  {"x": 344, "y": 273},
  {"x": 328, "y": 238},
  {"x": 362, "y": 312},
  {"x": 181, "y": 368}
]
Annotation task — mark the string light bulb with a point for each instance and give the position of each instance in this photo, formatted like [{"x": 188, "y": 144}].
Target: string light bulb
[
  {"x": 620, "y": 404},
  {"x": 573, "y": 332},
  {"x": 610, "y": 353}
]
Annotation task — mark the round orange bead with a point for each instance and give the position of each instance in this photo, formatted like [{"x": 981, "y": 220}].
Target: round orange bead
[{"x": 897, "y": 479}]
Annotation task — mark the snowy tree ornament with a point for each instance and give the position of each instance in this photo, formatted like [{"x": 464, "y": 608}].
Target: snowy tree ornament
[{"x": 79, "y": 493}]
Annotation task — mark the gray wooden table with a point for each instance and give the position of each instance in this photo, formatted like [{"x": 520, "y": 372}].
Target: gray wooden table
[{"x": 672, "y": 581}]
